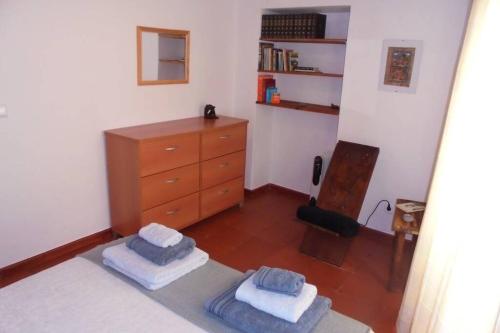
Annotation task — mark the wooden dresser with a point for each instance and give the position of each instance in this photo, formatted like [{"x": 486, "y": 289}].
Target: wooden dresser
[{"x": 175, "y": 172}]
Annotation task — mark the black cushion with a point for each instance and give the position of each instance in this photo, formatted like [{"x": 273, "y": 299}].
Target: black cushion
[{"x": 330, "y": 220}]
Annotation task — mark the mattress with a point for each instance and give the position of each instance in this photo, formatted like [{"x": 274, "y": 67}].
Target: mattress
[
  {"x": 186, "y": 296},
  {"x": 79, "y": 296}
]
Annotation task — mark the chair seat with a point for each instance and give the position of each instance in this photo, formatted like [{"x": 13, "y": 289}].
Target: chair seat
[{"x": 329, "y": 220}]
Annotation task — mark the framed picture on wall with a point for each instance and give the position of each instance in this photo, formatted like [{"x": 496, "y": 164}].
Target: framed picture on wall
[{"x": 400, "y": 65}]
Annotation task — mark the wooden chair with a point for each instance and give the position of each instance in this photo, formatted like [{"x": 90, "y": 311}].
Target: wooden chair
[{"x": 343, "y": 190}]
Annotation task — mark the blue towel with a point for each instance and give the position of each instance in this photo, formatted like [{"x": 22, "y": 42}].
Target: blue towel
[
  {"x": 161, "y": 255},
  {"x": 279, "y": 280},
  {"x": 246, "y": 318}
]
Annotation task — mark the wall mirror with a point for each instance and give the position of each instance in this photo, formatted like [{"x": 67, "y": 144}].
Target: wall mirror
[{"x": 162, "y": 56}]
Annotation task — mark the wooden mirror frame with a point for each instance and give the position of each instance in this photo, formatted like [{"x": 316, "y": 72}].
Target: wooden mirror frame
[{"x": 184, "y": 34}]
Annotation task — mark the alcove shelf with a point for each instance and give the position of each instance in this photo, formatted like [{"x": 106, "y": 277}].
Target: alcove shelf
[
  {"x": 306, "y": 40},
  {"x": 304, "y": 73},
  {"x": 173, "y": 60},
  {"x": 307, "y": 107},
  {"x": 284, "y": 44}
]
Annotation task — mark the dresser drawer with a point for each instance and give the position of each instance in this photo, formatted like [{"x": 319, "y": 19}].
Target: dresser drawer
[
  {"x": 221, "y": 197},
  {"x": 176, "y": 214},
  {"x": 222, "y": 169},
  {"x": 223, "y": 141},
  {"x": 166, "y": 186},
  {"x": 168, "y": 153}
]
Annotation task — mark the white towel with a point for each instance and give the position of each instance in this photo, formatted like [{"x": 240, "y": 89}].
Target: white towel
[
  {"x": 148, "y": 274},
  {"x": 283, "y": 306},
  {"x": 160, "y": 235}
]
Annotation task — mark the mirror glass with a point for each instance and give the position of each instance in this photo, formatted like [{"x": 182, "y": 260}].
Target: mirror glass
[{"x": 162, "y": 56}]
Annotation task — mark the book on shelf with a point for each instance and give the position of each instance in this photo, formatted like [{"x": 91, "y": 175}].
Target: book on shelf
[
  {"x": 276, "y": 60},
  {"x": 410, "y": 207},
  {"x": 306, "y": 69},
  {"x": 293, "y": 60},
  {"x": 289, "y": 26},
  {"x": 263, "y": 83},
  {"x": 270, "y": 91},
  {"x": 264, "y": 55}
]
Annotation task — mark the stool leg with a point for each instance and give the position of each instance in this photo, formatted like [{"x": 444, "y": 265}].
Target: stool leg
[{"x": 395, "y": 283}]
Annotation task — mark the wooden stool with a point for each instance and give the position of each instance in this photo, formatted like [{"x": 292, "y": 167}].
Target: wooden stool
[{"x": 399, "y": 273}]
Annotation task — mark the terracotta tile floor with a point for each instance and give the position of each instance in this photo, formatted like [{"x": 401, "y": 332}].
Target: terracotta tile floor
[{"x": 265, "y": 232}]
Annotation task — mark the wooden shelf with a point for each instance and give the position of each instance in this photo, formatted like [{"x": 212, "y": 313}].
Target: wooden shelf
[
  {"x": 173, "y": 60},
  {"x": 307, "y": 107},
  {"x": 307, "y": 40},
  {"x": 304, "y": 73}
]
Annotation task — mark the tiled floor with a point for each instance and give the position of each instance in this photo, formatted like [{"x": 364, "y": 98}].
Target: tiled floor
[{"x": 265, "y": 232}]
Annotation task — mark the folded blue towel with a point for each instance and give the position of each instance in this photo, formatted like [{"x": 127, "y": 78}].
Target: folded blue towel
[
  {"x": 161, "y": 255},
  {"x": 246, "y": 318},
  {"x": 279, "y": 280}
]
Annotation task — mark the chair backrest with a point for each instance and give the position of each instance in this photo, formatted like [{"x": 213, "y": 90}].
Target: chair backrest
[{"x": 347, "y": 178}]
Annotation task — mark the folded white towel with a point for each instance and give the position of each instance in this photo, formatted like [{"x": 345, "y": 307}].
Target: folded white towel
[
  {"x": 160, "y": 235},
  {"x": 148, "y": 274},
  {"x": 283, "y": 306}
]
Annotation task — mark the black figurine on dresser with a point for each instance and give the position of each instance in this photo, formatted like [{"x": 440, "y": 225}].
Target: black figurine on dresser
[{"x": 209, "y": 112}]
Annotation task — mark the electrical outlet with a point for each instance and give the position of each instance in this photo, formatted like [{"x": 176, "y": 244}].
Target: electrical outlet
[{"x": 3, "y": 110}]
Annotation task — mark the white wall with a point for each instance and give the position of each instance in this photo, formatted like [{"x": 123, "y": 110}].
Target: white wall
[
  {"x": 405, "y": 127},
  {"x": 297, "y": 137},
  {"x": 68, "y": 72}
]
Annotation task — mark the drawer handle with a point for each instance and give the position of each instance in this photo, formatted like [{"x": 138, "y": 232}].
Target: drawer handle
[
  {"x": 223, "y": 165},
  {"x": 172, "y": 148},
  {"x": 224, "y": 191},
  {"x": 172, "y": 181},
  {"x": 224, "y": 137},
  {"x": 172, "y": 212}
]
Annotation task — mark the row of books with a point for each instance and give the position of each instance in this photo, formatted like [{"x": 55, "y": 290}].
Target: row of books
[
  {"x": 266, "y": 88},
  {"x": 291, "y": 26},
  {"x": 273, "y": 59}
]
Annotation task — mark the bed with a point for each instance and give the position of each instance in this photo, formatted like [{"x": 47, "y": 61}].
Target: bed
[{"x": 83, "y": 295}]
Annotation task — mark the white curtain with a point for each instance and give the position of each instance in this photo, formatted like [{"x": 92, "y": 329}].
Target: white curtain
[{"x": 454, "y": 282}]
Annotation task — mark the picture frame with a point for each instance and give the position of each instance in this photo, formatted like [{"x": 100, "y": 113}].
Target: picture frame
[{"x": 400, "y": 65}]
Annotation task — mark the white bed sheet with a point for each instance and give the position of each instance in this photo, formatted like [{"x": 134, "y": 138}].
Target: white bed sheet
[{"x": 79, "y": 296}]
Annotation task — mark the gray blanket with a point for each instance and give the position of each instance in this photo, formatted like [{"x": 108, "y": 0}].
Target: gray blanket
[{"x": 187, "y": 295}]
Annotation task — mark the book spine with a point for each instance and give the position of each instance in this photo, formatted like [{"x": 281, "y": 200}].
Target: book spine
[
  {"x": 260, "y": 82},
  {"x": 309, "y": 32},
  {"x": 321, "y": 26},
  {"x": 261, "y": 58},
  {"x": 273, "y": 59},
  {"x": 269, "y": 93},
  {"x": 268, "y": 83},
  {"x": 260, "y": 86},
  {"x": 303, "y": 24},
  {"x": 263, "y": 27},
  {"x": 277, "y": 60},
  {"x": 263, "y": 90},
  {"x": 295, "y": 25},
  {"x": 281, "y": 26},
  {"x": 274, "y": 32},
  {"x": 270, "y": 27},
  {"x": 288, "y": 27},
  {"x": 285, "y": 61}
]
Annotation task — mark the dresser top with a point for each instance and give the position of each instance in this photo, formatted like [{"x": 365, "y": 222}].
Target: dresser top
[{"x": 173, "y": 127}]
